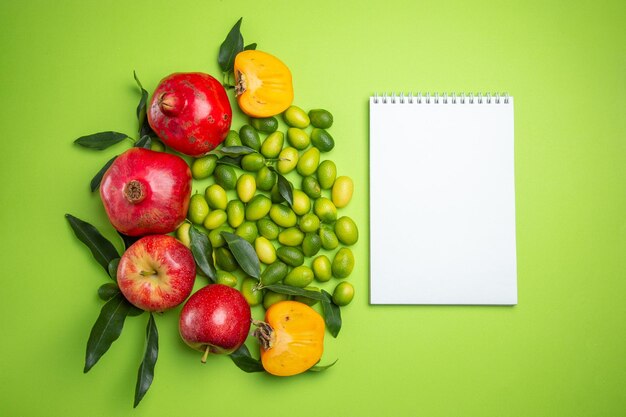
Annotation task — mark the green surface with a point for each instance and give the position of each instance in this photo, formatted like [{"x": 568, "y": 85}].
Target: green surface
[{"x": 66, "y": 70}]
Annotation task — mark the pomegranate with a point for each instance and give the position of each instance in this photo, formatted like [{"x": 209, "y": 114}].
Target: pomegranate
[
  {"x": 215, "y": 319},
  {"x": 146, "y": 192},
  {"x": 190, "y": 112}
]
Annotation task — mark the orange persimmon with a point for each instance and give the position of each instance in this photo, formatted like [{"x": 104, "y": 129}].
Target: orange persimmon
[
  {"x": 262, "y": 84},
  {"x": 292, "y": 338}
]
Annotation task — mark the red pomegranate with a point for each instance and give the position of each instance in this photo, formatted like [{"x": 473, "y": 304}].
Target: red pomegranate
[
  {"x": 146, "y": 192},
  {"x": 190, "y": 112}
]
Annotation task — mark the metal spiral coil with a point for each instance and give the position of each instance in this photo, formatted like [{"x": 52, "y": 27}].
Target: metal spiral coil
[{"x": 443, "y": 98}]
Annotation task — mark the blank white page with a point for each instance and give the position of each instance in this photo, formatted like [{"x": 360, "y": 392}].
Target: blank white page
[{"x": 442, "y": 202}]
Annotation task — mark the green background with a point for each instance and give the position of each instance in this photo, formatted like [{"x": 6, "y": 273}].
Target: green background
[{"x": 66, "y": 71}]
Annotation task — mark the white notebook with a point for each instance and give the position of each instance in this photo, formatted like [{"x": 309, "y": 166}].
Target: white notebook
[{"x": 442, "y": 200}]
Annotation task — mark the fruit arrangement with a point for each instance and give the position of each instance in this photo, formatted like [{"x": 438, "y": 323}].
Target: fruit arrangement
[{"x": 260, "y": 228}]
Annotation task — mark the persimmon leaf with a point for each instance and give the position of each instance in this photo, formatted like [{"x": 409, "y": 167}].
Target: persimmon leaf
[
  {"x": 101, "y": 140},
  {"x": 145, "y": 375},
  {"x": 332, "y": 314},
  {"x": 102, "y": 250},
  {"x": 97, "y": 179},
  {"x": 291, "y": 290},
  {"x": 244, "y": 253},
  {"x": 107, "y": 329},
  {"x": 202, "y": 253},
  {"x": 244, "y": 360},
  {"x": 232, "y": 45}
]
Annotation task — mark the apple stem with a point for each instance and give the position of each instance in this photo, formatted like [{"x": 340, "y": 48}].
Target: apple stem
[
  {"x": 147, "y": 273},
  {"x": 205, "y": 354}
]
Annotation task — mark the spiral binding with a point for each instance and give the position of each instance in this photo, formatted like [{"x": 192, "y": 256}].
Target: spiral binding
[{"x": 444, "y": 98}]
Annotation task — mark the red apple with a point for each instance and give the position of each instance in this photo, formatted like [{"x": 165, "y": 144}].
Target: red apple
[
  {"x": 215, "y": 319},
  {"x": 156, "y": 273},
  {"x": 146, "y": 192},
  {"x": 190, "y": 112}
]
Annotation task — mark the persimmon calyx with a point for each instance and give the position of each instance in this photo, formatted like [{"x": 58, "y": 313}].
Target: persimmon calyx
[
  {"x": 264, "y": 333},
  {"x": 240, "y": 83}
]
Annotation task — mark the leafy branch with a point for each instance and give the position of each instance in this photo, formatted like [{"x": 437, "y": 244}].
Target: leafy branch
[{"x": 232, "y": 45}]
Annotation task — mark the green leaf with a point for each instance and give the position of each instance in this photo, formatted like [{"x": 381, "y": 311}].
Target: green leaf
[
  {"x": 145, "y": 375},
  {"x": 101, "y": 140},
  {"x": 332, "y": 314},
  {"x": 232, "y": 161},
  {"x": 141, "y": 107},
  {"x": 144, "y": 142},
  {"x": 112, "y": 268},
  {"x": 100, "y": 247},
  {"x": 128, "y": 240},
  {"x": 242, "y": 358},
  {"x": 97, "y": 179},
  {"x": 291, "y": 290},
  {"x": 232, "y": 45},
  {"x": 236, "y": 150},
  {"x": 244, "y": 253},
  {"x": 320, "y": 368},
  {"x": 250, "y": 47},
  {"x": 284, "y": 187},
  {"x": 138, "y": 84},
  {"x": 134, "y": 311},
  {"x": 146, "y": 130},
  {"x": 202, "y": 253},
  {"x": 106, "y": 330},
  {"x": 108, "y": 291}
]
